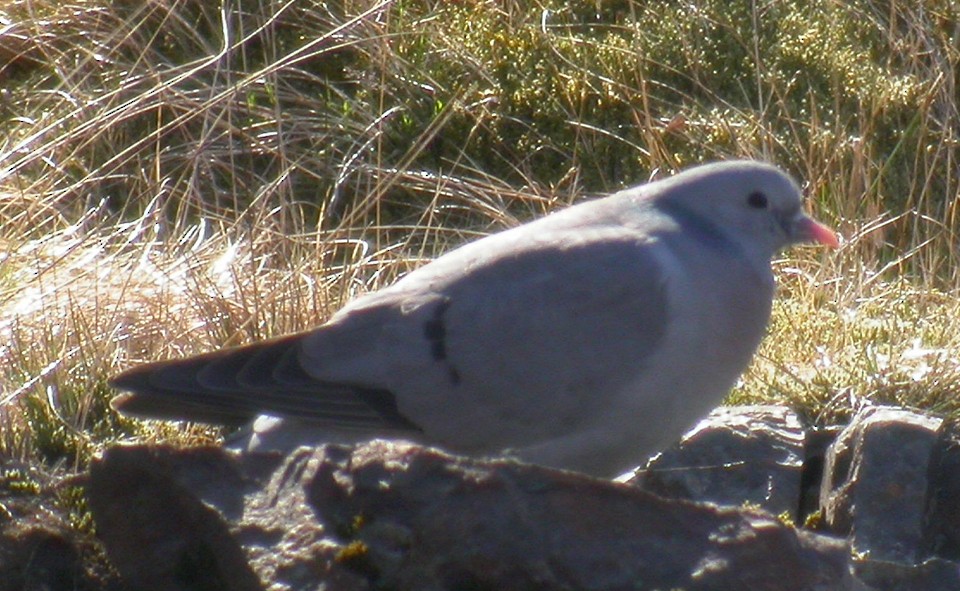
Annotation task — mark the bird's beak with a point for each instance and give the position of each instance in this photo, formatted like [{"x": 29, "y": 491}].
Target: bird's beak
[{"x": 806, "y": 229}]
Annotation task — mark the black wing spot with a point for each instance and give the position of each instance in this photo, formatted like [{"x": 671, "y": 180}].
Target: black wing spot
[{"x": 435, "y": 330}]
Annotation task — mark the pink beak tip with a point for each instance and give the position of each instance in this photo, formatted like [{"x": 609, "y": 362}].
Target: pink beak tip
[{"x": 816, "y": 232}]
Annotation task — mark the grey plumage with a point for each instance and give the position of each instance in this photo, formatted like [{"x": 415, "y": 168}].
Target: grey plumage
[{"x": 584, "y": 340}]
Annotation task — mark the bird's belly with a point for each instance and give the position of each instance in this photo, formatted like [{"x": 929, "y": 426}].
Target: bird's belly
[{"x": 691, "y": 374}]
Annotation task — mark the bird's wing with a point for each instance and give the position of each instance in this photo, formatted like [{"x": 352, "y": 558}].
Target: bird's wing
[
  {"x": 517, "y": 325},
  {"x": 527, "y": 337}
]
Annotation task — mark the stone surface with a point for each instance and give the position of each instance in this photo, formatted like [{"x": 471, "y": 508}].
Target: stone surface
[
  {"x": 396, "y": 516},
  {"x": 875, "y": 483},
  {"x": 41, "y": 546},
  {"x": 386, "y": 515},
  {"x": 736, "y": 455},
  {"x": 892, "y": 483},
  {"x": 942, "y": 528},
  {"x": 934, "y": 574}
]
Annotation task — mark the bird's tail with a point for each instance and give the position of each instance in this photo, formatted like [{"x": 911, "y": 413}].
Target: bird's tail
[{"x": 232, "y": 386}]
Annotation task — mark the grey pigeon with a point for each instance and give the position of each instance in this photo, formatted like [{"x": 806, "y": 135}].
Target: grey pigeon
[{"x": 585, "y": 340}]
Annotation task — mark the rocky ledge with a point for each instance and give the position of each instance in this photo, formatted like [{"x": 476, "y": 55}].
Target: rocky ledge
[
  {"x": 397, "y": 516},
  {"x": 880, "y": 500}
]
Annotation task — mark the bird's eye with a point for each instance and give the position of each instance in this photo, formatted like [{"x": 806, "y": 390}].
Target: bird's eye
[{"x": 757, "y": 200}]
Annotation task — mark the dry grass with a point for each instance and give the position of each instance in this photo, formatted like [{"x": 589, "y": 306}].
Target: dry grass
[{"x": 175, "y": 177}]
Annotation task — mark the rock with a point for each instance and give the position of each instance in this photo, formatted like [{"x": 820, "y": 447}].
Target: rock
[
  {"x": 737, "y": 455},
  {"x": 942, "y": 528},
  {"x": 400, "y": 516},
  {"x": 40, "y": 549},
  {"x": 891, "y": 483},
  {"x": 933, "y": 574},
  {"x": 40, "y": 556},
  {"x": 875, "y": 483},
  {"x": 164, "y": 514}
]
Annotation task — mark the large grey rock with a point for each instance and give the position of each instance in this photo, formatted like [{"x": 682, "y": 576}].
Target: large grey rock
[
  {"x": 737, "y": 455},
  {"x": 397, "y": 516},
  {"x": 891, "y": 483},
  {"x": 942, "y": 528},
  {"x": 875, "y": 483}
]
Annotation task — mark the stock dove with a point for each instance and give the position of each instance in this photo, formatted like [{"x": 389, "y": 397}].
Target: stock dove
[{"x": 585, "y": 340}]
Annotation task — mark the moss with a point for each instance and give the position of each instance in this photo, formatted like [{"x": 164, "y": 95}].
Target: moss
[
  {"x": 17, "y": 481},
  {"x": 356, "y": 557}
]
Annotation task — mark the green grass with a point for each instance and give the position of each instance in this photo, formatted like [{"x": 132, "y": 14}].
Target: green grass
[{"x": 174, "y": 178}]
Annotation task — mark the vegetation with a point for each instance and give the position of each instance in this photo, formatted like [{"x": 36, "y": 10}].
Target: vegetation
[{"x": 179, "y": 175}]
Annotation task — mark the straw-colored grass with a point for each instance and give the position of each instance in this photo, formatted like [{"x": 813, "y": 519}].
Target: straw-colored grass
[{"x": 178, "y": 175}]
